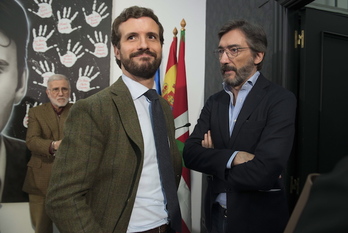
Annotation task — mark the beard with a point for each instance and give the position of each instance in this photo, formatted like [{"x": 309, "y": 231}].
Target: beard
[
  {"x": 61, "y": 103},
  {"x": 146, "y": 69},
  {"x": 242, "y": 74}
]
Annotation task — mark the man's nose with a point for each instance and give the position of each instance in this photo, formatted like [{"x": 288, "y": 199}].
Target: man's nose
[
  {"x": 143, "y": 44},
  {"x": 224, "y": 58}
]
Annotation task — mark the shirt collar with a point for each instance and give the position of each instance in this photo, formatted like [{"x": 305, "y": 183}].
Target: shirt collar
[
  {"x": 136, "y": 89},
  {"x": 250, "y": 82},
  {"x": 59, "y": 110}
]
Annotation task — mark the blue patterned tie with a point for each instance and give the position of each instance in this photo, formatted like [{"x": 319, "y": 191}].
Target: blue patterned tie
[{"x": 164, "y": 160}]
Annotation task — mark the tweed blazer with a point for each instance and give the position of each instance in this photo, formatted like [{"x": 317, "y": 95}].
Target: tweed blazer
[
  {"x": 98, "y": 166},
  {"x": 44, "y": 126}
]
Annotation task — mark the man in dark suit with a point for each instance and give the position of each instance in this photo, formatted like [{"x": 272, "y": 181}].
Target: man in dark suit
[
  {"x": 243, "y": 139},
  {"x": 44, "y": 135},
  {"x": 13, "y": 85},
  {"x": 106, "y": 176},
  {"x": 327, "y": 207}
]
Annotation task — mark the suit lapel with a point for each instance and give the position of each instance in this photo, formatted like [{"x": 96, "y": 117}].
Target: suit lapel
[
  {"x": 224, "y": 106},
  {"x": 51, "y": 119},
  {"x": 62, "y": 119},
  {"x": 66, "y": 111},
  {"x": 128, "y": 115},
  {"x": 251, "y": 102}
]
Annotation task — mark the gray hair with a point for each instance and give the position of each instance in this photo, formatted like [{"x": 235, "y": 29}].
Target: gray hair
[{"x": 56, "y": 77}]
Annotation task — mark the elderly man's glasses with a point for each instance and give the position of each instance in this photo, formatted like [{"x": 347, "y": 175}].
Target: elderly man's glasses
[
  {"x": 231, "y": 51},
  {"x": 56, "y": 90}
]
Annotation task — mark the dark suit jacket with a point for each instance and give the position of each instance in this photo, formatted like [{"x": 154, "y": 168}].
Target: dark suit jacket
[
  {"x": 17, "y": 157},
  {"x": 43, "y": 128},
  {"x": 265, "y": 128},
  {"x": 98, "y": 166},
  {"x": 327, "y": 206}
]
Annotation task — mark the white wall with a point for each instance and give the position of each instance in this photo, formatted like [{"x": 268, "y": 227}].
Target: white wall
[{"x": 14, "y": 217}]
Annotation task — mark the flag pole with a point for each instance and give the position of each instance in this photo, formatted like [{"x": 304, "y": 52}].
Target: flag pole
[{"x": 180, "y": 113}]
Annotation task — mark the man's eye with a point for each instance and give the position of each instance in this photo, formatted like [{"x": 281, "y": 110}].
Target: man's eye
[
  {"x": 233, "y": 49},
  {"x": 131, "y": 37},
  {"x": 3, "y": 66}
]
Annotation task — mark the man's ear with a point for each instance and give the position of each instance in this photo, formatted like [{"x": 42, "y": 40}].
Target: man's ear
[
  {"x": 258, "y": 58},
  {"x": 21, "y": 87},
  {"x": 117, "y": 53}
]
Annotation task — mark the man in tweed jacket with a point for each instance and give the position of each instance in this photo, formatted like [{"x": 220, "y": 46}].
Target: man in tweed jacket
[
  {"x": 44, "y": 134},
  {"x": 105, "y": 177}
]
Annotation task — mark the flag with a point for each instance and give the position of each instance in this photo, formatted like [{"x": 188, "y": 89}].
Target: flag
[
  {"x": 158, "y": 81},
  {"x": 170, "y": 76},
  {"x": 180, "y": 113},
  {"x": 175, "y": 92}
]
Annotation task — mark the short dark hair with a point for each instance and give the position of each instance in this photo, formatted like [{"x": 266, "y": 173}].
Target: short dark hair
[
  {"x": 255, "y": 36},
  {"x": 132, "y": 12},
  {"x": 14, "y": 25}
]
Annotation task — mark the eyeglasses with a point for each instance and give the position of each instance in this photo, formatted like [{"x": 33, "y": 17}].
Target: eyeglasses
[
  {"x": 56, "y": 90},
  {"x": 231, "y": 51}
]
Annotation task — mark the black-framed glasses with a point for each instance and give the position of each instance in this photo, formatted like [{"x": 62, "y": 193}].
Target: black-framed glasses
[
  {"x": 231, "y": 51},
  {"x": 56, "y": 90}
]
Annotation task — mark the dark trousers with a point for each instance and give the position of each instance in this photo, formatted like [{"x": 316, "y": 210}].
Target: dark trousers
[{"x": 219, "y": 219}]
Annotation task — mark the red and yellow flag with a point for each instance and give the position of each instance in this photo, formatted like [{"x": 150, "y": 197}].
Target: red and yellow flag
[
  {"x": 175, "y": 92},
  {"x": 180, "y": 113},
  {"x": 168, "y": 89}
]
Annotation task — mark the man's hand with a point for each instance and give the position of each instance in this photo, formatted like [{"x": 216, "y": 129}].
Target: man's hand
[
  {"x": 207, "y": 142},
  {"x": 242, "y": 157},
  {"x": 56, "y": 145}
]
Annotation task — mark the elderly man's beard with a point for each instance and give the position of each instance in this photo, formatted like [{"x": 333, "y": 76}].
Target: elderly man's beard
[
  {"x": 59, "y": 102},
  {"x": 242, "y": 74},
  {"x": 145, "y": 70}
]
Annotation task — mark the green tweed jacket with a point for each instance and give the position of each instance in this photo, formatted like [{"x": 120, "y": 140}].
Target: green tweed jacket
[
  {"x": 43, "y": 128},
  {"x": 98, "y": 166}
]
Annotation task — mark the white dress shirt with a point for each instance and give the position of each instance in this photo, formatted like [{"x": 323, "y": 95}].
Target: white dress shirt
[{"x": 149, "y": 207}]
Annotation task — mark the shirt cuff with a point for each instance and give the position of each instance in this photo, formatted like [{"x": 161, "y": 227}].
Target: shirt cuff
[
  {"x": 51, "y": 149},
  {"x": 229, "y": 163}
]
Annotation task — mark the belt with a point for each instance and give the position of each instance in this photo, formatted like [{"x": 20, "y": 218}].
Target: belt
[
  {"x": 222, "y": 211},
  {"x": 161, "y": 229}
]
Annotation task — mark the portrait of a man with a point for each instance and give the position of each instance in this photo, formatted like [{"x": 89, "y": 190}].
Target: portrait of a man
[{"x": 13, "y": 85}]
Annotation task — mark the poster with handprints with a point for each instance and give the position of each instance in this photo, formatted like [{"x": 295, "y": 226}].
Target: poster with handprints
[{"x": 70, "y": 37}]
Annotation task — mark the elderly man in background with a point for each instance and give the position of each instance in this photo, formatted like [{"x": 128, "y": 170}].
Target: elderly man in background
[{"x": 45, "y": 132}]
